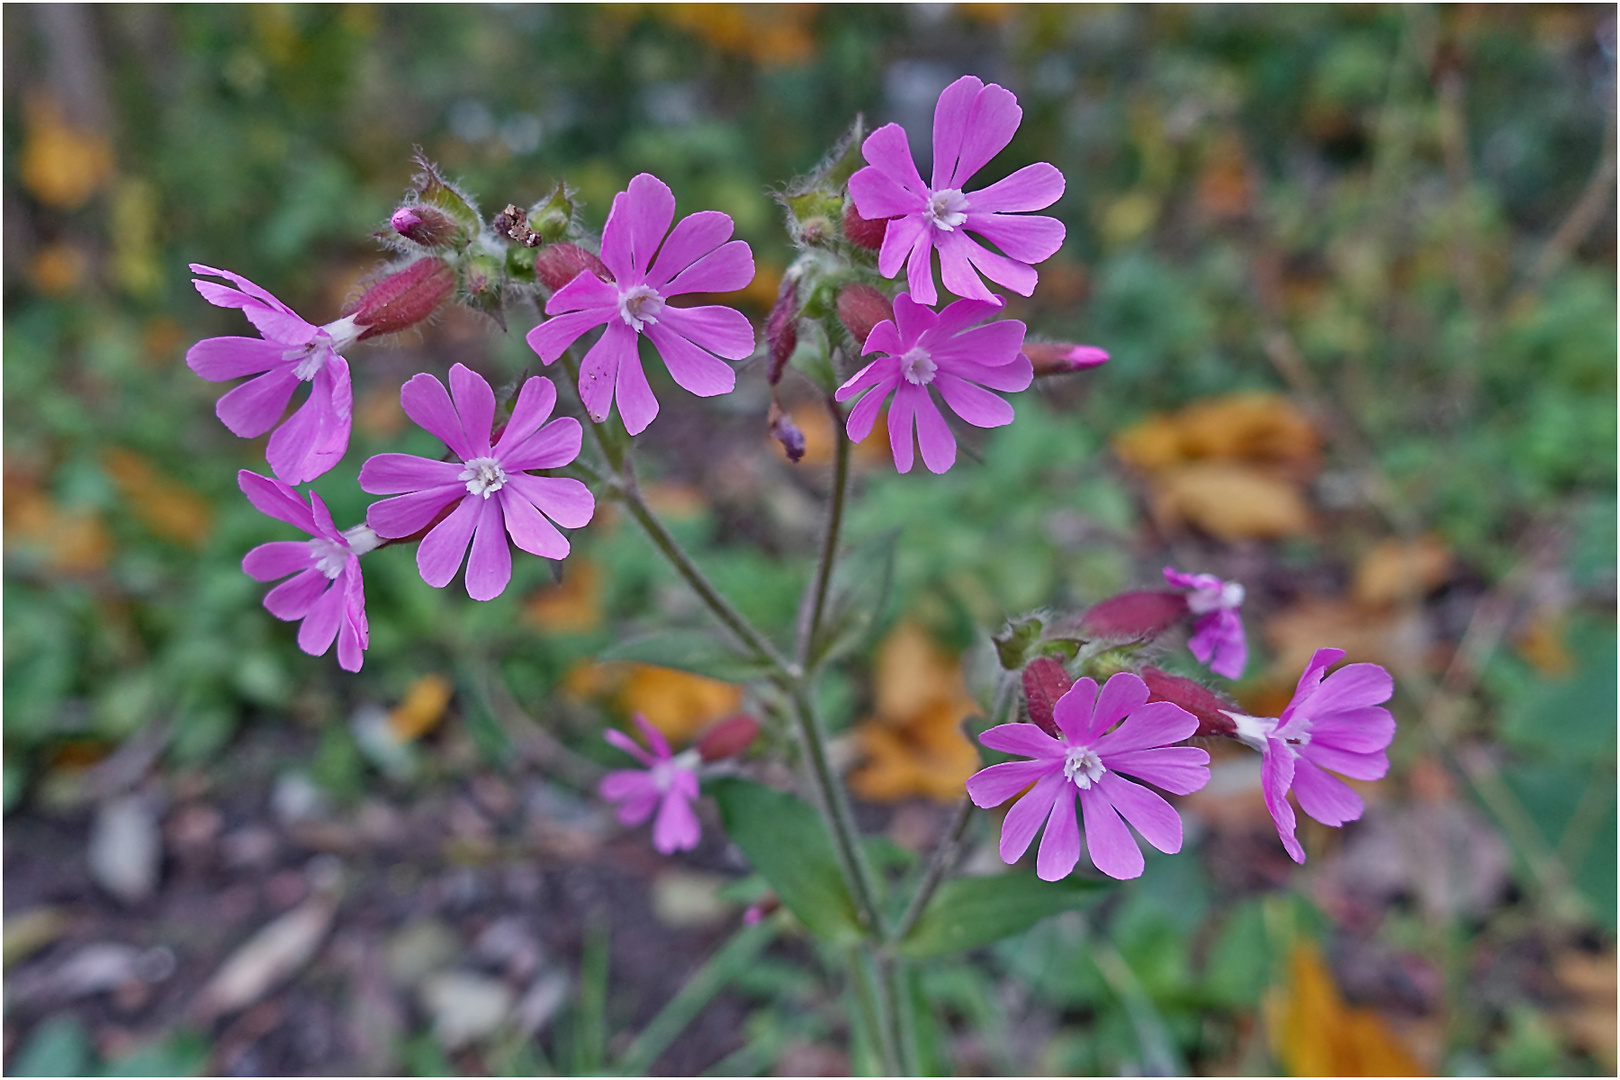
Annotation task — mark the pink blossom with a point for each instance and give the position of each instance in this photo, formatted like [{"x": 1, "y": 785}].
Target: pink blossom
[
  {"x": 490, "y": 489},
  {"x": 1217, "y": 638},
  {"x": 696, "y": 257},
  {"x": 1092, "y": 761},
  {"x": 669, "y": 784},
  {"x": 325, "y": 590},
  {"x": 288, "y": 352},
  {"x": 972, "y": 123},
  {"x": 948, "y": 352},
  {"x": 1334, "y": 723}
]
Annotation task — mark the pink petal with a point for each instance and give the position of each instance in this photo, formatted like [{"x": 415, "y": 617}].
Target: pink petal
[
  {"x": 637, "y": 406},
  {"x": 1124, "y": 693},
  {"x": 320, "y": 626},
  {"x": 1112, "y": 848},
  {"x": 912, "y": 320},
  {"x": 427, "y": 403},
  {"x": 1157, "y": 723},
  {"x": 878, "y": 196},
  {"x": 562, "y": 499},
  {"x": 353, "y": 635},
  {"x": 997, "y": 344},
  {"x": 1025, "y": 739},
  {"x": 1021, "y": 238},
  {"x": 489, "y": 565},
  {"x": 1013, "y": 376},
  {"x": 406, "y": 514},
  {"x": 694, "y": 369},
  {"x": 1353, "y": 686},
  {"x": 1325, "y": 798},
  {"x": 1146, "y": 810},
  {"x": 1276, "y": 775},
  {"x": 1034, "y": 187},
  {"x": 219, "y": 358},
  {"x": 978, "y": 407},
  {"x": 292, "y": 598},
  {"x": 551, "y": 338},
  {"x": 624, "y": 742},
  {"x": 623, "y": 783},
  {"x": 998, "y": 783},
  {"x": 1008, "y": 273},
  {"x": 888, "y": 151},
  {"x": 677, "y": 827},
  {"x": 933, "y": 433},
  {"x": 253, "y": 408},
  {"x": 257, "y": 292},
  {"x": 1060, "y": 847},
  {"x": 323, "y": 520},
  {"x": 1026, "y": 815},
  {"x": 600, "y": 369},
  {"x": 587, "y": 294},
  {"x": 726, "y": 269},
  {"x": 713, "y": 327},
  {"x": 534, "y": 404},
  {"x": 552, "y": 446},
  {"x": 919, "y": 262},
  {"x": 1357, "y": 766},
  {"x": 277, "y": 559},
  {"x": 1364, "y": 731},
  {"x": 693, "y": 237},
  {"x": 475, "y": 405},
  {"x": 277, "y": 500},
  {"x": 394, "y": 474},
  {"x": 884, "y": 338},
  {"x": 866, "y": 378},
  {"x": 1311, "y": 678},
  {"x": 1073, "y": 710},
  {"x": 956, "y": 266},
  {"x": 972, "y": 124},
  {"x": 316, "y": 436},
  {"x": 439, "y": 555},
  {"x": 280, "y": 324},
  {"x": 635, "y": 226},
  {"x": 1218, "y": 641},
  {"x": 1180, "y": 770},
  {"x": 528, "y": 528},
  {"x": 865, "y": 413},
  {"x": 901, "y": 411},
  {"x": 654, "y": 737}
]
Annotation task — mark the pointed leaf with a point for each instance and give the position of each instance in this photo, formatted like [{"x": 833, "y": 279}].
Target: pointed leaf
[
  {"x": 859, "y": 591},
  {"x": 974, "y": 911}
]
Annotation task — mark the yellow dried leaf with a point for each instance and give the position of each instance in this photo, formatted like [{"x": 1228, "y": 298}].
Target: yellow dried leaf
[
  {"x": 1542, "y": 642},
  {"x": 1314, "y": 1032},
  {"x": 910, "y": 673},
  {"x": 1391, "y": 638},
  {"x": 1230, "y": 501},
  {"x": 1589, "y": 1020},
  {"x": 914, "y": 745},
  {"x": 164, "y": 505},
  {"x": 1396, "y": 570},
  {"x": 814, "y": 421},
  {"x": 572, "y": 606},
  {"x": 69, "y": 541},
  {"x": 422, "y": 707},
  {"x": 675, "y": 501},
  {"x": 61, "y": 164},
  {"x": 770, "y": 34},
  {"x": 1256, "y": 426},
  {"x": 677, "y": 703}
]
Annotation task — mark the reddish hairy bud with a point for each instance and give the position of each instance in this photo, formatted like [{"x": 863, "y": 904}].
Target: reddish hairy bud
[
  {"x": 1044, "y": 682},
  {"x": 405, "y": 298},
  {"x": 786, "y": 432},
  {"x": 423, "y": 225},
  {"x": 863, "y": 232},
  {"x": 558, "y": 264},
  {"x": 1062, "y": 357},
  {"x": 860, "y": 308},
  {"x": 782, "y": 328},
  {"x": 1196, "y": 698},
  {"x": 728, "y": 738},
  {"x": 1134, "y": 616}
]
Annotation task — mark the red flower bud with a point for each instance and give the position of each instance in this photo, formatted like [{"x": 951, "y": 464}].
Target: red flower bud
[
  {"x": 1044, "y": 682},
  {"x": 863, "y": 232},
  {"x": 1196, "y": 698},
  {"x": 405, "y": 298},
  {"x": 1134, "y": 616},
  {"x": 1062, "y": 357},
  {"x": 860, "y": 308},
  {"x": 782, "y": 328},
  {"x": 558, "y": 264},
  {"x": 728, "y": 738},
  {"x": 424, "y": 225}
]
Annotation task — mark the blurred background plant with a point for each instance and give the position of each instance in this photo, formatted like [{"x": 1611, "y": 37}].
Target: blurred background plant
[{"x": 1356, "y": 269}]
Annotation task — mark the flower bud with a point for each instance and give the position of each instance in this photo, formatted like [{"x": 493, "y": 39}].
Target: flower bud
[
  {"x": 484, "y": 282},
  {"x": 434, "y": 190},
  {"x": 782, "y": 328},
  {"x": 558, "y": 264},
  {"x": 728, "y": 738},
  {"x": 1134, "y": 616},
  {"x": 1062, "y": 357},
  {"x": 860, "y": 308},
  {"x": 404, "y": 298},
  {"x": 1196, "y": 698},
  {"x": 423, "y": 225},
  {"x": 863, "y": 232},
  {"x": 1045, "y": 681},
  {"x": 551, "y": 217},
  {"x": 786, "y": 432}
]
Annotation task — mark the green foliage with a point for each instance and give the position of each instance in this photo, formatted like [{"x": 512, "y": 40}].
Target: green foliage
[{"x": 971, "y": 911}]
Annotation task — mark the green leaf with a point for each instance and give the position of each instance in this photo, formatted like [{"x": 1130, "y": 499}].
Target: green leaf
[
  {"x": 184, "y": 1053},
  {"x": 973, "y": 911},
  {"x": 787, "y": 843},
  {"x": 689, "y": 650},
  {"x": 58, "y": 1047},
  {"x": 862, "y": 581},
  {"x": 1572, "y": 718}
]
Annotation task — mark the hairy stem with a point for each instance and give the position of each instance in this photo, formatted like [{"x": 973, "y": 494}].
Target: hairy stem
[
  {"x": 811, "y": 628},
  {"x": 940, "y": 864}
]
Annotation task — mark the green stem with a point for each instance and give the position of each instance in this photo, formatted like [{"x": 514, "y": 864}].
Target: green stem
[
  {"x": 940, "y": 864},
  {"x": 871, "y": 999},
  {"x": 829, "y": 545},
  {"x": 896, "y": 1002}
]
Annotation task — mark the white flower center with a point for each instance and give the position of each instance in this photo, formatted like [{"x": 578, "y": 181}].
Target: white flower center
[
  {"x": 665, "y": 772},
  {"x": 640, "y": 305},
  {"x": 329, "y": 556},
  {"x": 361, "y": 539},
  {"x": 1229, "y": 595},
  {"x": 311, "y": 358},
  {"x": 484, "y": 476},
  {"x": 947, "y": 209},
  {"x": 918, "y": 367},
  {"x": 1082, "y": 765}
]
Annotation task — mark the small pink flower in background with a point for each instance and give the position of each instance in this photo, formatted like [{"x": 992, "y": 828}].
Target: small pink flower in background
[
  {"x": 289, "y": 352},
  {"x": 696, "y": 257},
  {"x": 492, "y": 493},
  {"x": 948, "y": 352},
  {"x": 1333, "y": 723},
  {"x": 972, "y": 123},
  {"x": 1217, "y": 638},
  {"x": 1092, "y": 761},
  {"x": 668, "y": 784},
  {"x": 325, "y": 591}
]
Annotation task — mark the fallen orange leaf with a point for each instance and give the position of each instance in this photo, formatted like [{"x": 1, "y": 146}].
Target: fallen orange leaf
[
  {"x": 1396, "y": 570},
  {"x": 62, "y": 164},
  {"x": 422, "y": 707},
  {"x": 1314, "y": 1032},
  {"x": 914, "y": 745},
  {"x": 816, "y": 424},
  {"x": 1590, "y": 1019},
  {"x": 164, "y": 505},
  {"x": 677, "y": 703},
  {"x": 1542, "y": 642},
  {"x": 1230, "y": 501},
  {"x": 1391, "y": 638},
  {"x": 70, "y": 541},
  {"x": 572, "y": 606}
]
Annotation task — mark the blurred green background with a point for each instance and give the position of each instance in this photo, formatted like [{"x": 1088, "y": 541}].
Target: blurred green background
[{"x": 1401, "y": 218}]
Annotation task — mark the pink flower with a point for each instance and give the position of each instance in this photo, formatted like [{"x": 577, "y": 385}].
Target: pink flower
[
  {"x": 696, "y": 257},
  {"x": 1092, "y": 761},
  {"x": 951, "y": 354},
  {"x": 325, "y": 591},
  {"x": 492, "y": 493},
  {"x": 1217, "y": 638},
  {"x": 1334, "y": 723},
  {"x": 972, "y": 123},
  {"x": 290, "y": 351},
  {"x": 668, "y": 784}
]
